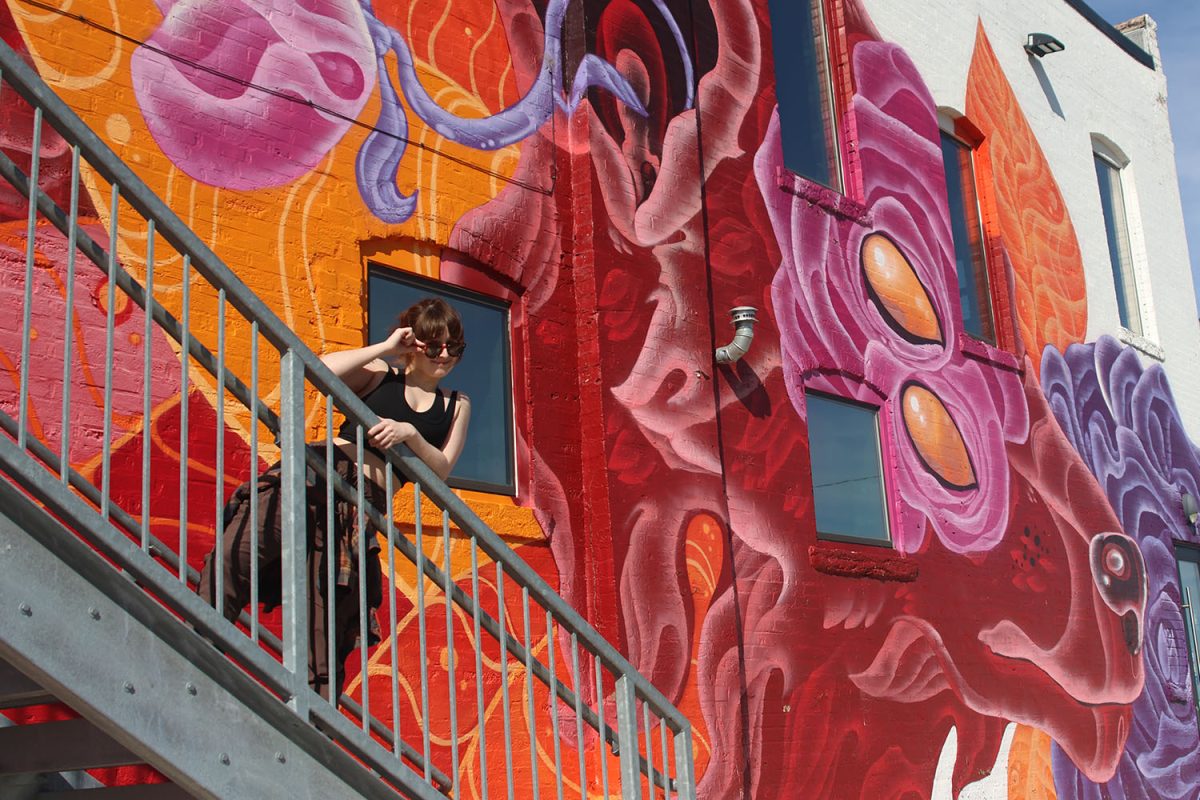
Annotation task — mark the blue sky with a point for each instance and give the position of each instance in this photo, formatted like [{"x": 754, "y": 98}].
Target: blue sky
[{"x": 1178, "y": 31}]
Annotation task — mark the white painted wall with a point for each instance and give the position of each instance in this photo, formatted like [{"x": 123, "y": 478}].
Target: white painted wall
[{"x": 1092, "y": 87}]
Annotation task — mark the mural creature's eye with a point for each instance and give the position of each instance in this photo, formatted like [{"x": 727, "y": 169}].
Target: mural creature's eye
[
  {"x": 1120, "y": 576},
  {"x": 936, "y": 437},
  {"x": 897, "y": 292}
]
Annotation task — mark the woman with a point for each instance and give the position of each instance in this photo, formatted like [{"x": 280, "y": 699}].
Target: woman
[{"x": 428, "y": 343}]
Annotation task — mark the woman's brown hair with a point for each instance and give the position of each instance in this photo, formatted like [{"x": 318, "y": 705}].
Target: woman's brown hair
[{"x": 433, "y": 320}]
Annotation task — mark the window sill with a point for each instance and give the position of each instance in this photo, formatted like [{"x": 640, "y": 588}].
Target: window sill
[
  {"x": 988, "y": 353},
  {"x": 1141, "y": 344},
  {"x": 847, "y": 563},
  {"x": 817, "y": 194}
]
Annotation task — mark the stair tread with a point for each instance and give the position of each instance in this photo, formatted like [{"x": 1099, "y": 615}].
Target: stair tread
[
  {"x": 150, "y": 791},
  {"x": 60, "y": 747}
]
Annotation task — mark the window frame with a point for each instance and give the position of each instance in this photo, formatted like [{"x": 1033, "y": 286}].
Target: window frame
[
  {"x": 1187, "y": 551},
  {"x": 881, "y": 421},
  {"x": 835, "y": 81},
  {"x": 984, "y": 288},
  {"x": 1124, "y": 275},
  {"x": 377, "y": 269}
]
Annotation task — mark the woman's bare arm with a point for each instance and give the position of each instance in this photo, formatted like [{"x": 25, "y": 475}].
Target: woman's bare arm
[
  {"x": 389, "y": 432},
  {"x": 360, "y": 366}
]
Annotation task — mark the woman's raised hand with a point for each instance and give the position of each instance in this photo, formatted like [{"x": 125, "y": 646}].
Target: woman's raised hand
[{"x": 403, "y": 341}]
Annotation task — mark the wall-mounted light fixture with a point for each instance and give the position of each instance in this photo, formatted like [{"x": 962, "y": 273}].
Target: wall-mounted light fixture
[
  {"x": 1191, "y": 509},
  {"x": 1042, "y": 44},
  {"x": 743, "y": 333}
]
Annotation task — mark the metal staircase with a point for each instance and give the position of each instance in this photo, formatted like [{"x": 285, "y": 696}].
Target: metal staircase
[{"x": 487, "y": 684}]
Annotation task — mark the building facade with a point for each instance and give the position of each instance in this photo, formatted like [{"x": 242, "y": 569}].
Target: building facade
[{"x": 926, "y": 537}]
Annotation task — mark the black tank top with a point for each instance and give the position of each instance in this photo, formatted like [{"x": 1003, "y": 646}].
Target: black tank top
[{"x": 388, "y": 401}]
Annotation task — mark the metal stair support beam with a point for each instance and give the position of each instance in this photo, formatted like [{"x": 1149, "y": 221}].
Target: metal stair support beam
[{"x": 52, "y": 588}]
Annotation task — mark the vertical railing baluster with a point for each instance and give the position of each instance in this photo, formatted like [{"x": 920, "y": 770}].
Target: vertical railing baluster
[
  {"x": 685, "y": 780},
  {"x": 481, "y": 710},
  {"x": 110, "y": 298},
  {"x": 448, "y": 588},
  {"x": 421, "y": 632},
  {"x": 294, "y": 549},
  {"x": 662, "y": 733},
  {"x": 254, "y": 482},
  {"x": 389, "y": 490},
  {"x": 64, "y": 466},
  {"x": 651, "y": 775},
  {"x": 35, "y": 159},
  {"x": 185, "y": 345},
  {"x": 601, "y": 727},
  {"x": 627, "y": 739},
  {"x": 504, "y": 697},
  {"x": 147, "y": 382},
  {"x": 533, "y": 741},
  {"x": 219, "y": 467},
  {"x": 577, "y": 677},
  {"x": 331, "y": 563},
  {"x": 363, "y": 613},
  {"x": 558, "y": 767}
]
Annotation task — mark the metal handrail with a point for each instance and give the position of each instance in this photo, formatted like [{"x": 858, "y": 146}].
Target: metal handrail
[{"x": 632, "y": 686}]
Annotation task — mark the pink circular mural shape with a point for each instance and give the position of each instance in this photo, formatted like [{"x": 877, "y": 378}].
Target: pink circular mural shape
[{"x": 193, "y": 78}]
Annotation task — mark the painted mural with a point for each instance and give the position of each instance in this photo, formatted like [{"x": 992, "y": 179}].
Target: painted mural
[{"x": 614, "y": 169}]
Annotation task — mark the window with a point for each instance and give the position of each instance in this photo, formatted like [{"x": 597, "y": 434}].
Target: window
[
  {"x": 1189, "y": 591},
  {"x": 970, "y": 249},
  {"x": 1120, "y": 253},
  {"x": 804, "y": 89},
  {"x": 484, "y": 374},
  {"x": 847, "y": 471}
]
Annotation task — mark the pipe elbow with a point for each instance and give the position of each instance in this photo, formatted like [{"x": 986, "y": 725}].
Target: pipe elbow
[{"x": 744, "y": 318}]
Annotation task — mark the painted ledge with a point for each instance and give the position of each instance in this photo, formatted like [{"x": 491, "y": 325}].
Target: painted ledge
[
  {"x": 818, "y": 195},
  {"x": 1141, "y": 344},
  {"x": 988, "y": 353},
  {"x": 846, "y": 563}
]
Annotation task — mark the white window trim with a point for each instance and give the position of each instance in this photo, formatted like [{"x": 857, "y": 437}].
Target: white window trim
[{"x": 1148, "y": 340}]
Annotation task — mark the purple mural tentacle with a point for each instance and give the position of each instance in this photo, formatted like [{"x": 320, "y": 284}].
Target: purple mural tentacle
[{"x": 378, "y": 159}]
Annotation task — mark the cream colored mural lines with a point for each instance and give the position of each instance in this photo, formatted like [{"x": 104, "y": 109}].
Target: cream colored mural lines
[
  {"x": 26, "y": 18},
  {"x": 483, "y": 37},
  {"x": 431, "y": 44}
]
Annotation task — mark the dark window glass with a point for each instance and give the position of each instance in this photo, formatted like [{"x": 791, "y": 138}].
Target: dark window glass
[
  {"x": 969, "y": 249},
  {"x": 1189, "y": 590},
  {"x": 1116, "y": 226},
  {"x": 804, "y": 90},
  {"x": 484, "y": 374},
  {"x": 848, "y": 490}
]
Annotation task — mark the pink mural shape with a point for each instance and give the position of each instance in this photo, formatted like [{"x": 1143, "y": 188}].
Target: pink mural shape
[
  {"x": 192, "y": 76},
  {"x": 87, "y": 347},
  {"x": 838, "y": 336}
]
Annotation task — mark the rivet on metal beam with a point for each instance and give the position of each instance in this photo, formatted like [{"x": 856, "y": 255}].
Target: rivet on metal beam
[
  {"x": 191, "y": 688},
  {"x": 224, "y": 758},
  {"x": 129, "y": 688},
  {"x": 25, "y": 609},
  {"x": 94, "y": 612},
  {"x": 281, "y": 758}
]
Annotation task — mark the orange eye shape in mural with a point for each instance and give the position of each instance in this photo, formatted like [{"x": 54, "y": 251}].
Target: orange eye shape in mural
[
  {"x": 897, "y": 291},
  {"x": 936, "y": 438}
]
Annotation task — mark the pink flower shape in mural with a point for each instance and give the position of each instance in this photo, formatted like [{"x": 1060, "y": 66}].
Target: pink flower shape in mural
[
  {"x": 870, "y": 311},
  {"x": 191, "y": 83}
]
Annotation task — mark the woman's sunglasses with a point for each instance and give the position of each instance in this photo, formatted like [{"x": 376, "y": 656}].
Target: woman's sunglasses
[{"x": 453, "y": 349}]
